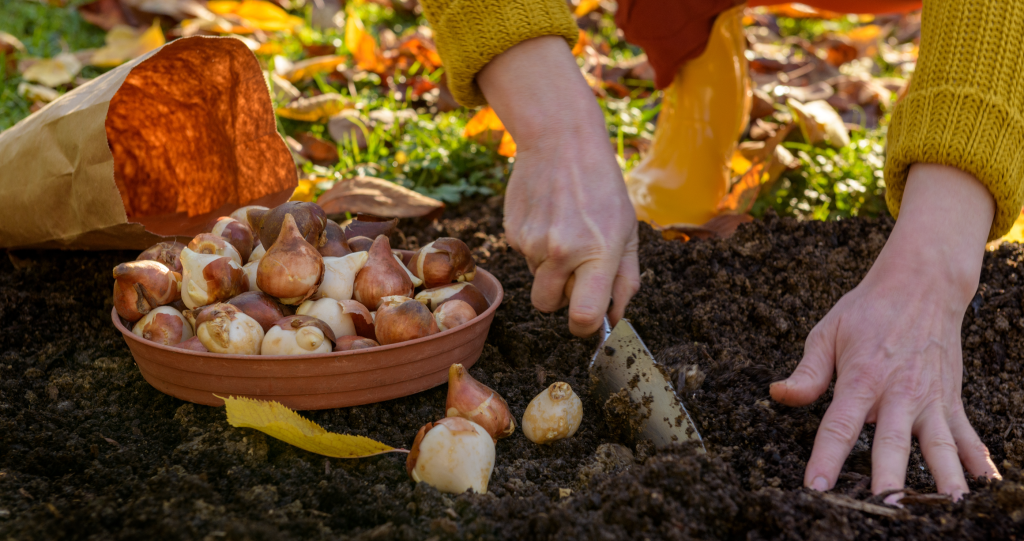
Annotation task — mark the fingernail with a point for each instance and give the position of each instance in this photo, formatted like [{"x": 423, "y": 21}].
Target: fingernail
[
  {"x": 820, "y": 484},
  {"x": 894, "y": 499}
]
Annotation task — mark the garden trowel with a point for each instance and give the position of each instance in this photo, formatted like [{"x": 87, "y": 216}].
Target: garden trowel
[{"x": 623, "y": 363}]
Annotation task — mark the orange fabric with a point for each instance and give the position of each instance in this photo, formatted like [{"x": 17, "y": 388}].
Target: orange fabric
[{"x": 673, "y": 32}]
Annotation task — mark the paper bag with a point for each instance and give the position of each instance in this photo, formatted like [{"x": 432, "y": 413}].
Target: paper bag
[{"x": 158, "y": 147}]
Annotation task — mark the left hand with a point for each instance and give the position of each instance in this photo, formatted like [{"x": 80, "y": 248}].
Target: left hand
[{"x": 894, "y": 344}]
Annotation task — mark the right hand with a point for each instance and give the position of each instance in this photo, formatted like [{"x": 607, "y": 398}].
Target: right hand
[{"x": 566, "y": 206}]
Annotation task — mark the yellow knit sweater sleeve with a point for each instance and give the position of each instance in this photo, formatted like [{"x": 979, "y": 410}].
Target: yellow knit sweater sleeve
[
  {"x": 965, "y": 104},
  {"x": 469, "y": 33}
]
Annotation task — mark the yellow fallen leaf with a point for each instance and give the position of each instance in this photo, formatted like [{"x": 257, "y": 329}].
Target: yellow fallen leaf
[
  {"x": 314, "y": 109},
  {"x": 484, "y": 119},
  {"x": 258, "y": 14},
  {"x": 284, "y": 424},
  {"x": 586, "y": 6},
  {"x": 125, "y": 43},
  {"x": 507, "y": 147},
  {"x": 305, "y": 191},
  {"x": 56, "y": 71},
  {"x": 38, "y": 93},
  {"x": 820, "y": 123},
  {"x": 310, "y": 67},
  {"x": 739, "y": 163},
  {"x": 361, "y": 44}
]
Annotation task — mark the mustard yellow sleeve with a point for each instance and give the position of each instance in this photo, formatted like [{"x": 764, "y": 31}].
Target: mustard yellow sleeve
[
  {"x": 469, "y": 33},
  {"x": 965, "y": 104}
]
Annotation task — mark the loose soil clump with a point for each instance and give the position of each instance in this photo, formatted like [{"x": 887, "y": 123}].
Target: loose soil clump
[{"x": 89, "y": 450}]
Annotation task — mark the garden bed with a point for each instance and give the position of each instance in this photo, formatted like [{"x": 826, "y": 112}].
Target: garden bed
[{"x": 89, "y": 450}]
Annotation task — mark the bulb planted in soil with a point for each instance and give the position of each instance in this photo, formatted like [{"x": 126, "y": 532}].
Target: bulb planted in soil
[
  {"x": 553, "y": 415},
  {"x": 470, "y": 399},
  {"x": 452, "y": 455}
]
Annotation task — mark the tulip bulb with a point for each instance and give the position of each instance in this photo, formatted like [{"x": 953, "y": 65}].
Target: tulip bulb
[
  {"x": 298, "y": 335},
  {"x": 470, "y": 399},
  {"x": 210, "y": 278},
  {"x": 261, "y": 307},
  {"x": 368, "y": 226},
  {"x": 164, "y": 252},
  {"x": 242, "y": 215},
  {"x": 309, "y": 219},
  {"x": 345, "y": 318},
  {"x": 257, "y": 253},
  {"x": 382, "y": 276},
  {"x": 335, "y": 244},
  {"x": 210, "y": 244},
  {"x": 223, "y": 328},
  {"x": 552, "y": 415},
  {"x": 193, "y": 344},
  {"x": 292, "y": 269},
  {"x": 237, "y": 234},
  {"x": 416, "y": 282},
  {"x": 401, "y": 320},
  {"x": 340, "y": 275},
  {"x": 453, "y": 313},
  {"x": 141, "y": 286},
  {"x": 360, "y": 244},
  {"x": 251, "y": 272},
  {"x": 349, "y": 343},
  {"x": 163, "y": 325},
  {"x": 452, "y": 455},
  {"x": 444, "y": 261},
  {"x": 463, "y": 291}
]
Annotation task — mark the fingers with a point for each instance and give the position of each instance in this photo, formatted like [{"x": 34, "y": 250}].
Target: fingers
[
  {"x": 837, "y": 433},
  {"x": 627, "y": 283},
  {"x": 890, "y": 450},
  {"x": 813, "y": 374},
  {"x": 940, "y": 451},
  {"x": 548, "y": 284},
  {"x": 972, "y": 452},
  {"x": 589, "y": 302}
]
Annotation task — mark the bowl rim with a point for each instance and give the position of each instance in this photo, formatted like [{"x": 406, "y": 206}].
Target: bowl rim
[{"x": 500, "y": 295}]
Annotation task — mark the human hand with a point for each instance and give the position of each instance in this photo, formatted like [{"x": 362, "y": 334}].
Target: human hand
[
  {"x": 894, "y": 343},
  {"x": 566, "y": 206}
]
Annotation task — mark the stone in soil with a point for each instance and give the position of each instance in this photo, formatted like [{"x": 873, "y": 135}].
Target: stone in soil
[{"x": 89, "y": 450}]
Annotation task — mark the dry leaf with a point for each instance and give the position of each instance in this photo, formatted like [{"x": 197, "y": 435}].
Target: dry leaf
[
  {"x": 485, "y": 127},
  {"x": 307, "y": 69},
  {"x": 125, "y": 43},
  {"x": 369, "y": 195},
  {"x": 305, "y": 191},
  {"x": 820, "y": 123},
  {"x": 10, "y": 49},
  {"x": 105, "y": 14},
  {"x": 349, "y": 125},
  {"x": 415, "y": 48},
  {"x": 361, "y": 44},
  {"x": 284, "y": 424},
  {"x": 586, "y": 6},
  {"x": 507, "y": 147},
  {"x": 257, "y": 14},
  {"x": 314, "y": 109},
  {"x": 581, "y": 44},
  {"x": 175, "y": 9},
  {"x": 37, "y": 93},
  {"x": 52, "y": 72},
  {"x": 316, "y": 149}
]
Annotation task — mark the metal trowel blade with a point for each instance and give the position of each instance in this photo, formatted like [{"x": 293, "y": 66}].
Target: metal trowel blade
[{"x": 622, "y": 361}]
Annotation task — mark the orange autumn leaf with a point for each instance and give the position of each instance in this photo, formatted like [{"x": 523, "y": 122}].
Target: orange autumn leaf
[
  {"x": 802, "y": 11},
  {"x": 362, "y": 45},
  {"x": 485, "y": 119},
  {"x": 581, "y": 44},
  {"x": 586, "y": 6},
  {"x": 507, "y": 147},
  {"x": 424, "y": 52},
  {"x": 309, "y": 68},
  {"x": 256, "y": 14}
]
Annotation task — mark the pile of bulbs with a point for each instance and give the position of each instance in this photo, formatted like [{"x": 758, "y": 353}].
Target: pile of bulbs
[
  {"x": 288, "y": 281},
  {"x": 457, "y": 453}
]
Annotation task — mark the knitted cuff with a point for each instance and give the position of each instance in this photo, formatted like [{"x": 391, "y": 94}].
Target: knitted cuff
[{"x": 469, "y": 33}]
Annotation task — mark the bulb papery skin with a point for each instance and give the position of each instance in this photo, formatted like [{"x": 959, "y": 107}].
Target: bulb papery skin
[
  {"x": 163, "y": 325},
  {"x": 298, "y": 335},
  {"x": 401, "y": 321},
  {"x": 261, "y": 307},
  {"x": 463, "y": 291},
  {"x": 453, "y": 313},
  {"x": 368, "y": 226},
  {"x": 250, "y": 270},
  {"x": 210, "y": 278},
  {"x": 237, "y": 234},
  {"x": 416, "y": 282},
  {"x": 292, "y": 269},
  {"x": 210, "y": 244},
  {"x": 360, "y": 244},
  {"x": 164, "y": 252},
  {"x": 310, "y": 221},
  {"x": 470, "y": 399},
  {"x": 335, "y": 244},
  {"x": 141, "y": 286},
  {"x": 443, "y": 261},
  {"x": 242, "y": 215},
  {"x": 345, "y": 318},
  {"x": 223, "y": 328},
  {"x": 349, "y": 343},
  {"x": 381, "y": 276},
  {"x": 193, "y": 344},
  {"x": 553, "y": 415},
  {"x": 257, "y": 253},
  {"x": 452, "y": 455},
  {"x": 340, "y": 275}
]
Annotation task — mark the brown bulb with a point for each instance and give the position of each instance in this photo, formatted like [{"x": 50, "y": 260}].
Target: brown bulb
[
  {"x": 444, "y": 261},
  {"x": 237, "y": 234},
  {"x": 360, "y": 244},
  {"x": 141, "y": 286},
  {"x": 382, "y": 276},
  {"x": 464, "y": 291},
  {"x": 470, "y": 399},
  {"x": 453, "y": 313},
  {"x": 193, "y": 344},
  {"x": 403, "y": 320},
  {"x": 292, "y": 269},
  {"x": 350, "y": 343},
  {"x": 335, "y": 244},
  {"x": 310, "y": 221},
  {"x": 163, "y": 325},
  {"x": 369, "y": 226},
  {"x": 261, "y": 307},
  {"x": 167, "y": 253}
]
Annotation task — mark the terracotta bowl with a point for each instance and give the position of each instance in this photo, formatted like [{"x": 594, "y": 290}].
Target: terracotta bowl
[{"x": 320, "y": 381}]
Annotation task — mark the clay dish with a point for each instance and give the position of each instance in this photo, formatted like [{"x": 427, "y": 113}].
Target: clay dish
[{"x": 321, "y": 381}]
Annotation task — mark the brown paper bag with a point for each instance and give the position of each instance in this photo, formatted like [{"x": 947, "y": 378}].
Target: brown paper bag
[{"x": 158, "y": 147}]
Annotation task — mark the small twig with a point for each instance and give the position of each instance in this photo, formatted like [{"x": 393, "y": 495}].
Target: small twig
[{"x": 865, "y": 507}]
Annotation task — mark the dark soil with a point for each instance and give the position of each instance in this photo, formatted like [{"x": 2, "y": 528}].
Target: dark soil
[{"x": 89, "y": 450}]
